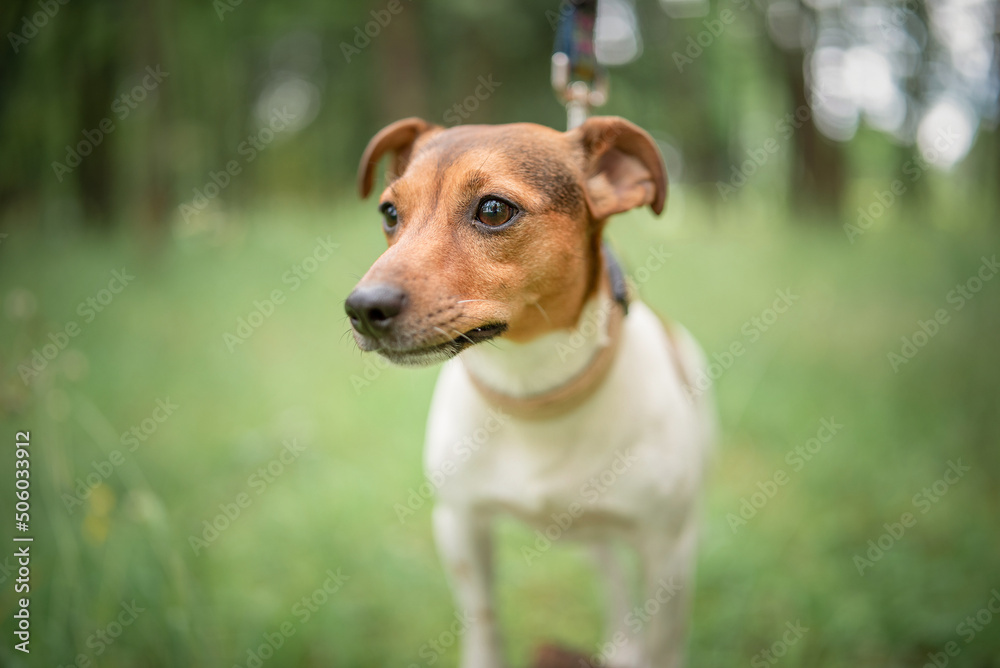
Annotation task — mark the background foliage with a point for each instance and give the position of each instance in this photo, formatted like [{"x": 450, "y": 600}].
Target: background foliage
[{"x": 793, "y": 225}]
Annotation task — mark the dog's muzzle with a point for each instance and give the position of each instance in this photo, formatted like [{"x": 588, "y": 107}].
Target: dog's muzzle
[{"x": 373, "y": 309}]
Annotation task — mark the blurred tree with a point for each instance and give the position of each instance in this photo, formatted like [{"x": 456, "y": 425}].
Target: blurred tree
[
  {"x": 903, "y": 70},
  {"x": 95, "y": 69},
  {"x": 401, "y": 74},
  {"x": 818, "y": 171}
]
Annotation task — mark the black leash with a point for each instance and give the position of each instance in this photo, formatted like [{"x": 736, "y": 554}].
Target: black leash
[
  {"x": 579, "y": 80},
  {"x": 619, "y": 286},
  {"x": 581, "y": 83}
]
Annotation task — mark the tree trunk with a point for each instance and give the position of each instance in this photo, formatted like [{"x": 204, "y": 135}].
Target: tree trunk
[
  {"x": 818, "y": 177},
  {"x": 95, "y": 177},
  {"x": 400, "y": 68}
]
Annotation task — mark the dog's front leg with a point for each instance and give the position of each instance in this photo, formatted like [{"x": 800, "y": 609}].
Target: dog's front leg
[
  {"x": 620, "y": 635},
  {"x": 668, "y": 565},
  {"x": 464, "y": 541}
]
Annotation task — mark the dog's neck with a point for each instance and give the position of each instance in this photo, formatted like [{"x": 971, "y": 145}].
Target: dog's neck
[{"x": 548, "y": 362}]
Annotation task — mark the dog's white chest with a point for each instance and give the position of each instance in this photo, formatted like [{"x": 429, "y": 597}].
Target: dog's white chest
[{"x": 632, "y": 446}]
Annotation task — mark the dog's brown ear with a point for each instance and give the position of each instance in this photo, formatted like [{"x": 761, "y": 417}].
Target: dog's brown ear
[
  {"x": 623, "y": 168},
  {"x": 397, "y": 137}
]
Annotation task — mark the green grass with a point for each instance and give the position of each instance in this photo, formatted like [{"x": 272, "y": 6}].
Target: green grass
[{"x": 298, "y": 377}]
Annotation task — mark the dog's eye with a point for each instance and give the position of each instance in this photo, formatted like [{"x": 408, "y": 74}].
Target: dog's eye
[
  {"x": 494, "y": 212},
  {"x": 389, "y": 216}
]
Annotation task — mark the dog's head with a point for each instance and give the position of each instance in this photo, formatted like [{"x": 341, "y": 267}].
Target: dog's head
[{"x": 493, "y": 230}]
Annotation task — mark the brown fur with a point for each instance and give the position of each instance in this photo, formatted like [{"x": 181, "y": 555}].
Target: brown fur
[{"x": 533, "y": 276}]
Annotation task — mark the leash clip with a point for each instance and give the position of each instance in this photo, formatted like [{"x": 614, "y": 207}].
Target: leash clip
[
  {"x": 578, "y": 96},
  {"x": 578, "y": 79}
]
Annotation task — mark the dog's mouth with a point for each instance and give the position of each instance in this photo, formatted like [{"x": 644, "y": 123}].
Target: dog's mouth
[{"x": 422, "y": 355}]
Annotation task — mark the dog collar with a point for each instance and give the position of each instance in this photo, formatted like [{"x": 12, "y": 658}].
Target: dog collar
[
  {"x": 570, "y": 394},
  {"x": 616, "y": 277},
  {"x": 576, "y": 390}
]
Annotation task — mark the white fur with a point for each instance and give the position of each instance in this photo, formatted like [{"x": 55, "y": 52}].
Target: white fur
[
  {"x": 639, "y": 430},
  {"x": 524, "y": 369}
]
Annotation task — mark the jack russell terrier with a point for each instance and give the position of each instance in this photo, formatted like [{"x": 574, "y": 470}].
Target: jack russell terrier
[{"x": 495, "y": 235}]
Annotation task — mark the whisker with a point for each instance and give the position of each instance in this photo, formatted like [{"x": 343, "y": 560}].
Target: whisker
[
  {"x": 453, "y": 342},
  {"x": 544, "y": 314},
  {"x": 484, "y": 301},
  {"x": 459, "y": 334},
  {"x": 488, "y": 156},
  {"x": 463, "y": 336}
]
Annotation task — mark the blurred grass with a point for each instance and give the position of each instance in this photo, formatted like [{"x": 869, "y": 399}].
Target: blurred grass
[{"x": 298, "y": 376}]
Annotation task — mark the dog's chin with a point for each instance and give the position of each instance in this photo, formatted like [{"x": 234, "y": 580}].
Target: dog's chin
[{"x": 435, "y": 353}]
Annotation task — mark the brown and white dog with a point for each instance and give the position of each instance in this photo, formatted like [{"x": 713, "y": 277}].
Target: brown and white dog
[{"x": 494, "y": 235}]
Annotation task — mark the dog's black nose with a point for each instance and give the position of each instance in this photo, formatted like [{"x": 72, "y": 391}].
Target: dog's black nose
[{"x": 373, "y": 308}]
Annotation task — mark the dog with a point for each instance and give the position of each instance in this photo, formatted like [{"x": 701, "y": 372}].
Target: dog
[{"x": 561, "y": 401}]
